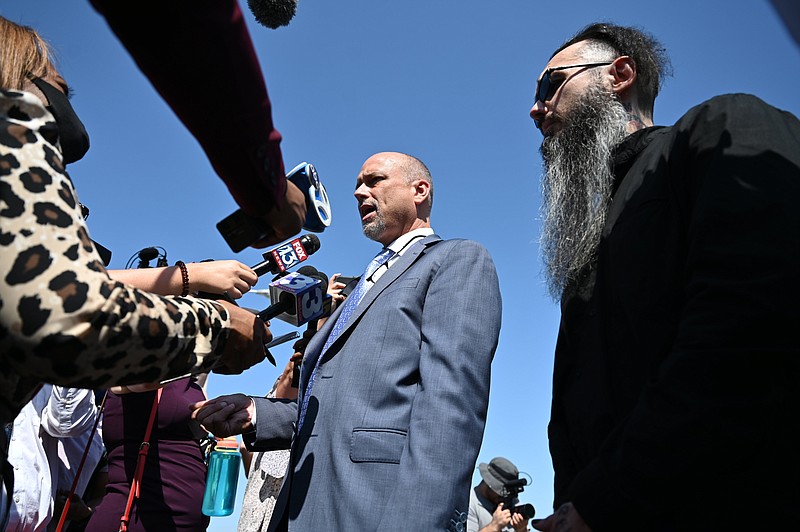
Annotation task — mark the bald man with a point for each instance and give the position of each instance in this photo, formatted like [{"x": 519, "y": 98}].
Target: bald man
[{"x": 395, "y": 386}]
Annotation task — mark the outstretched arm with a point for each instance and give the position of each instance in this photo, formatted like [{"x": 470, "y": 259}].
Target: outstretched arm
[
  {"x": 216, "y": 277},
  {"x": 171, "y": 43}
]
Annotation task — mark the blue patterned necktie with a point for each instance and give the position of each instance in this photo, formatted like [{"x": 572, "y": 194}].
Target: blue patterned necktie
[{"x": 349, "y": 307}]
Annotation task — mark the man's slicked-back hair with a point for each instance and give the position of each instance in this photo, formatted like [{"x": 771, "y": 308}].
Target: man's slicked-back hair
[{"x": 648, "y": 54}]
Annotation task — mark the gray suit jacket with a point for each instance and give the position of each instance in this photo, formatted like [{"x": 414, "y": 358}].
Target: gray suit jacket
[{"x": 398, "y": 407}]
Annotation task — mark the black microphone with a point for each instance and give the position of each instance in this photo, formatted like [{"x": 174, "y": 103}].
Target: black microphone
[
  {"x": 145, "y": 256},
  {"x": 288, "y": 254},
  {"x": 273, "y": 13}
]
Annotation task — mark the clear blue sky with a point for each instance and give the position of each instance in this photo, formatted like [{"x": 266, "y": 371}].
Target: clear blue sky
[{"x": 448, "y": 81}]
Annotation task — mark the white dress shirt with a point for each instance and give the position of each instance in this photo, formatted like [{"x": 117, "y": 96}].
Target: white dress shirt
[
  {"x": 57, "y": 421},
  {"x": 399, "y": 246}
]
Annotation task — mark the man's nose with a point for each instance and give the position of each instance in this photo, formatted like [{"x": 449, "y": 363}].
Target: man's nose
[{"x": 538, "y": 112}]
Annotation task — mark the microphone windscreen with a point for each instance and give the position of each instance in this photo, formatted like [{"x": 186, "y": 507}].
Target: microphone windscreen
[
  {"x": 273, "y": 13},
  {"x": 310, "y": 243},
  {"x": 314, "y": 273},
  {"x": 148, "y": 254}
]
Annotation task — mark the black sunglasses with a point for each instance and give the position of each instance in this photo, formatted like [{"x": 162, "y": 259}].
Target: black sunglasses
[{"x": 545, "y": 88}]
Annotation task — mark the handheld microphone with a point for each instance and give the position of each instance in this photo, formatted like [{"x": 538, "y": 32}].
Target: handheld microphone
[
  {"x": 311, "y": 328},
  {"x": 241, "y": 230},
  {"x": 273, "y": 13},
  {"x": 327, "y": 302},
  {"x": 287, "y": 255},
  {"x": 298, "y": 299}
]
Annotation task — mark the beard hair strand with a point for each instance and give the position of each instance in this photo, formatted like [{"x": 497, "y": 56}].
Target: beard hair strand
[{"x": 577, "y": 185}]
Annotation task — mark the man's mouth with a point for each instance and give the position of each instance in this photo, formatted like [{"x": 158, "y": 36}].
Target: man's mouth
[{"x": 367, "y": 211}]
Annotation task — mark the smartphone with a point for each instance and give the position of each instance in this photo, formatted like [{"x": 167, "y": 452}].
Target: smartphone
[
  {"x": 241, "y": 230},
  {"x": 349, "y": 284}
]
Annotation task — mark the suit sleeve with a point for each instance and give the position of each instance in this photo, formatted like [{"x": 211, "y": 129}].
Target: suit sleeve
[
  {"x": 723, "y": 395},
  {"x": 275, "y": 422},
  {"x": 460, "y": 325},
  {"x": 175, "y": 42}
]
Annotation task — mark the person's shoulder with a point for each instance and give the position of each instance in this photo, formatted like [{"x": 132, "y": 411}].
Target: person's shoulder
[
  {"x": 462, "y": 246},
  {"x": 463, "y": 243},
  {"x": 734, "y": 108}
]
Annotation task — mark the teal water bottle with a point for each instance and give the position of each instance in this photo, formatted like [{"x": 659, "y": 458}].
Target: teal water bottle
[{"x": 223, "y": 477}]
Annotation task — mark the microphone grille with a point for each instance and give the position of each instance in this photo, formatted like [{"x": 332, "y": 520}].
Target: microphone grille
[
  {"x": 311, "y": 243},
  {"x": 311, "y": 271},
  {"x": 273, "y": 13}
]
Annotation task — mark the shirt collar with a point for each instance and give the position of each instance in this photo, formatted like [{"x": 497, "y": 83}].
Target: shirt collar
[{"x": 400, "y": 245}]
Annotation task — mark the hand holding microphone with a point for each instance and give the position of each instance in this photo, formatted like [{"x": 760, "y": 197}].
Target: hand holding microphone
[{"x": 305, "y": 195}]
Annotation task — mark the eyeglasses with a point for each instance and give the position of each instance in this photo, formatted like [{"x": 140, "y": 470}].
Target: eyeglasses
[{"x": 545, "y": 89}]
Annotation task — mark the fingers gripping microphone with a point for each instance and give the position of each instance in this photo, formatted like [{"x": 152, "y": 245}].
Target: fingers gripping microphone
[
  {"x": 287, "y": 255},
  {"x": 273, "y": 13}
]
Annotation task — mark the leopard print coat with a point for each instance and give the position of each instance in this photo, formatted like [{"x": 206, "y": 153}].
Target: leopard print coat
[{"x": 63, "y": 320}]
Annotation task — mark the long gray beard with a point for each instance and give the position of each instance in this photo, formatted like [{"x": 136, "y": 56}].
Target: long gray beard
[{"x": 577, "y": 184}]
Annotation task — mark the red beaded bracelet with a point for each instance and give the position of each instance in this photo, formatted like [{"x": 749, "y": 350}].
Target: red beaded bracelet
[{"x": 184, "y": 276}]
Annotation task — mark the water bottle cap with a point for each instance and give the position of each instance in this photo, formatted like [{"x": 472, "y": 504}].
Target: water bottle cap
[{"x": 227, "y": 443}]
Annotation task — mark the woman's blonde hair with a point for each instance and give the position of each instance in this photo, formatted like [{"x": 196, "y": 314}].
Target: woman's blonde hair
[{"x": 23, "y": 55}]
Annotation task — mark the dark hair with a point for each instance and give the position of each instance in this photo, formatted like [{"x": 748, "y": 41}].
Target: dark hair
[{"x": 649, "y": 56}]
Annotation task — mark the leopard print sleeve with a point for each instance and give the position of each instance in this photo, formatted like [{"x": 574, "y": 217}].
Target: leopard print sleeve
[{"x": 62, "y": 318}]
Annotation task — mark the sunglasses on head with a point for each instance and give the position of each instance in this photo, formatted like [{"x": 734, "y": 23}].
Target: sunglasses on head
[{"x": 545, "y": 88}]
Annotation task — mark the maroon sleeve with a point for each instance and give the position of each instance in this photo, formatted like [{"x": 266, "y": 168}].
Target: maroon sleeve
[{"x": 198, "y": 55}]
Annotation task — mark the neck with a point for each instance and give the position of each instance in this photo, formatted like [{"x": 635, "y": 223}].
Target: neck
[{"x": 636, "y": 118}]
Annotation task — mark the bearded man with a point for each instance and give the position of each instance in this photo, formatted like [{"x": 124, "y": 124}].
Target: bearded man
[{"x": 674, "y": 251}]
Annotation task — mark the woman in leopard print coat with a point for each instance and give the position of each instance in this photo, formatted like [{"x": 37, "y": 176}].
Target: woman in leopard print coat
[{"x": 62, "y": 318}]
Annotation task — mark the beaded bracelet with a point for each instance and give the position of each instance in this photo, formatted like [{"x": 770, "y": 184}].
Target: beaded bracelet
[{"x": 184, "y": 276}]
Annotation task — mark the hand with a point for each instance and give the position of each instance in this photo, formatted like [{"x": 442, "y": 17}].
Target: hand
[
  {"x": 284, "y": 389},
  {"x": 226, "y": 415},
  {"x": 287, "y": 220},
  {"x": 566, "y": 518},
  {"x": 501, "y": 518},
  {"x": 335, "y": 290},
  {"x": 220, "y": 276},
  {"x": 518, "y": 522},
  {"x": 245, "y": 345}
]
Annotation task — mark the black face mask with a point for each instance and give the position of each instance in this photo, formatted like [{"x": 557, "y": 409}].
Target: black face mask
[{"x": 71, "y": 134}]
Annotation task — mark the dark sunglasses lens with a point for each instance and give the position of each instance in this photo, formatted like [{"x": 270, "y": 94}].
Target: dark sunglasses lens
[{"x": 543, "y": 91}]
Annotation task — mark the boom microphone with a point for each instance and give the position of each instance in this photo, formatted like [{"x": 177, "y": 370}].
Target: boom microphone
[
  {"x": 287, "y": 255},
  {"x": 273, "y": 13}
]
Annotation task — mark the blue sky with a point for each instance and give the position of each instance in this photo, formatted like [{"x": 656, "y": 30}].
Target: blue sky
[{"x": 448, "y": 81}]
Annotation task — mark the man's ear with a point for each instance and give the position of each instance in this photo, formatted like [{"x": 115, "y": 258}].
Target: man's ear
[
  {"x": 623, "y": 72},
  {"x": 422, "y": 189}
]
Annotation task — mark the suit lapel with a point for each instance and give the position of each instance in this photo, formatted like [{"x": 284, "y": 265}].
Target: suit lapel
[{"x": 392, "y": 274}]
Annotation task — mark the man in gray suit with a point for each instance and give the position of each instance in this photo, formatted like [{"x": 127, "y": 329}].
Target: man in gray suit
[{"x": 395, "y": 386}]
